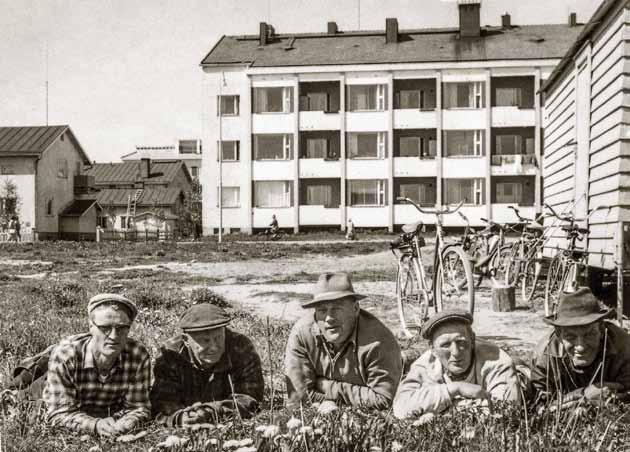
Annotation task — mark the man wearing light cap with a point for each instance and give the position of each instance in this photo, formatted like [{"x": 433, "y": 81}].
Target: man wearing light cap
[
  {"x": 458, "y": 366},
  {"x": 206, "y": 372},
  {"x": 585, "y": 357},
  {"x": 340, "y": 352},
  {"x": 99, "y": 382}
]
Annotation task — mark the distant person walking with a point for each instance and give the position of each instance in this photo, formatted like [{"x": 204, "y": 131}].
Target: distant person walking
[
  {"x": 350, "y": 230},
  {"x": 18, "y": 236}
]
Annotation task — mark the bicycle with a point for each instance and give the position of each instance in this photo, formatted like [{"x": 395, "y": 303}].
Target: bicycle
[
  {"x": 451, "y": 280},
  {"x": 268, "y": 234}
]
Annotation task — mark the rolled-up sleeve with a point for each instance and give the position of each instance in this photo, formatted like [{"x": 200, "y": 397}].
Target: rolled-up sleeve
[{"x": 298, "y": 369}]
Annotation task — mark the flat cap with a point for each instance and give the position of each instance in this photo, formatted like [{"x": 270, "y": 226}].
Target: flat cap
[
  {"x": 203, "y": 316},
  {"x": 123, "y": 302},
  {"x": 449, "y": 315}
]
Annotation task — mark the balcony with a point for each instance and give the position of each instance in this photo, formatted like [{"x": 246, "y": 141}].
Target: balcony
[
  {"x": 366, "y": 121},
  {"x": 320, "y": 168},
  {"x": 501, "y": 213},
  {"x": 273, "y": 122},
  {"x": 319, "y": 120},
  {"x": 464, "y": 167},
  {"x": 320, "y": 216},
  {"x": 273, "y": 169},
  {"x": 284, "y": 215},
  {"x": 513, "y": 117},
  {"x": 464, "y": 119},
  {"x": 367, "y": 168},
  {"x": 514, "y": 165},
  {"x": 369, "y": 217},
  {"x": 473, "y": 213},
  {"x": 415, "y": 119},
  {"x": 404, "y": 214},
  {"x": 414, "y": 167}
]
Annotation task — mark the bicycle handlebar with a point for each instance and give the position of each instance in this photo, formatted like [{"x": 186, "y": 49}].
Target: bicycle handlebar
[{"x": 430, "y": 212}]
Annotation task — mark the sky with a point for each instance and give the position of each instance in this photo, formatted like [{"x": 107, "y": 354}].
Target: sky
[{"x": 124, "y": 73}]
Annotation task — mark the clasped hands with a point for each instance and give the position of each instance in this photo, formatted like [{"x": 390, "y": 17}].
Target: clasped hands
[{"x": 109, "y": 426}]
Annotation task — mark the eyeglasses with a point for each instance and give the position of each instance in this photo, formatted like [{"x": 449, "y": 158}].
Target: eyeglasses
[{"x": 107, "y": 329}]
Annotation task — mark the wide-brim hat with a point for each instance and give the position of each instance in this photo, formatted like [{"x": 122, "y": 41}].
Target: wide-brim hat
[
  {"x": 124, "y": 302},
  {"x": 202, "y": 317},
  {"x": 330, "y": 287},
  {"x": 442, "y": 317},
  {"x": 578, "y": 308}
]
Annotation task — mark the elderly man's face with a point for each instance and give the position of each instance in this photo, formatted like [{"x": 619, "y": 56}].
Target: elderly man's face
[
  {"x": 207, "y": 345},
  {"x": 109, "y": 327},
  {"x": 453, "y": 345},
  {"x": 336, "y": 319},
  {"x": 581, "y": 343}
]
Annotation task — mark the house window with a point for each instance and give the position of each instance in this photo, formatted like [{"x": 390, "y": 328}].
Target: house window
[
  {"x": 411, "y": 98},
  {"x": 270, "y": 146},
  {"x": 273, "y": 194},
  {"x": 509, "y": 144},
  {"x": 468, "y": 190},
  {"x": 367, "y": 97},
  {"x": 188, "y": 146},
  {"x": 367, "y": 145},
  {"x": 423, "y": 147},
  {"x": 459, "y": 143},
  {"x": 422, "y": 194},
  {"x": 77, "y": 168},
  {"x": 509, "y": 192},
  {"x": 315, "y": 102},
  {"x": 230, "y": 196},
  {"x": 49, "y": 207},
  {"x": 316, "y": 148},
  {"x": 509, "y": 97},
  {"x": 273, "y": 100},
  {"x": 8, "y": 206},
  {"x": 102, "y": 222},
  {"x": 227, "y": 105},
  {"x": 229, "y": 151},
  {"x": 372, "y": 192},
  {"x": 194, "y": 172},
  {"x": 464, "y": 95},
  {"x": 529, "y": 146},
  {"x": 319, "y": 195},
  {"x": 62, "y": 168}
]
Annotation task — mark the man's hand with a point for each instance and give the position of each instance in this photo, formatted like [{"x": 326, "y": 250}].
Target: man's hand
[
  {"x": 596, "y": 392},
  {"x": 124, "y": 425},
  {"x": 199, "y": 413},
  {"x": 106, "y": 427},
  {"x": 323, "y": 385},
  {"x": 467, "y": 390}
]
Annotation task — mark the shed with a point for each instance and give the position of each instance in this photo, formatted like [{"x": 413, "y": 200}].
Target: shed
[{"x": 78, "y": 221}]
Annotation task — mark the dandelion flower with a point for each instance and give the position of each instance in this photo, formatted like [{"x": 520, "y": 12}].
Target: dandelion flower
[
  {"x": 327, "y": 407},
  {"x": 246, "y": 449},
  {"x": 318, "y": 431},
  {"x": 426, "y": 418},
  {"x": 375, "y": 449},
  {"x": 173, "y": 441},
  {"x": 245, "y": 442},
  {"x": 231, "y": 444},
  {"x": 396, "y": 446},
  {"x": 468, "y": 433},
  {"x": 294, "y": 423},
  {"x": 271, "y": 431},
  {"x": 261, "y": 428},
  {"x": 306, "y": 430}
]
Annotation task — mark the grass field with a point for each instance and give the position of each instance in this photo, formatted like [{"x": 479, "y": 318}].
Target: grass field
[{"x": 37, "y": 311}]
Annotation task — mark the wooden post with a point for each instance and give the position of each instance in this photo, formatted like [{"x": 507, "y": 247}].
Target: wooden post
[{"x": 503, "y": 299}]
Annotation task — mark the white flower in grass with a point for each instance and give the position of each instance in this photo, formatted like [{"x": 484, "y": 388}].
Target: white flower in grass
[
  {"x": 211, "y": 442},
  {"x": 318, "y": 431},
  {"x": 271, "y": 431},
  {"x": 245, "y": 442},
  {"x": 306, "y": 430},
  {"x": 261, "y": 428},
  {"x": 294, "y": 423},
  {"x": 396, "y": 446},
  {"x": 231, "y": 444},
  {"x": 375, "y": 449},
  {"x": 327, "y": 407},
  {"x": 426, "y": 418},
  {"x": 246, "y": 449}
]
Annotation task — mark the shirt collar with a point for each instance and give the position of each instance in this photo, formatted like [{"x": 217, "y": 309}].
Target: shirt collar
[{"x": 88, "y": 357}]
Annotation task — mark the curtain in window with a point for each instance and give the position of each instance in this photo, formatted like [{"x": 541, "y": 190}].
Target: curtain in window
[
  {"x": 316, "y": 148},
  {"x": 318, "y": 195},
  {"x": 458, "y": 190},
  {"x": 509, "y": 97},
  {"x": 410, "y": 147},
  {"x": 410, "y": 99},
  {"x": 362, "y": 97},
  {"x": 272, "y": 147},
  {"x": 317, "y": 101},
  {"x": 509, "y": 144},
  {"x": 460, "y": 142},
  {"x": 509, "y": 192},
  {"x": 363, "y": 145},
  {"x": 268, "y": 100},
  {"x": 272, "y": 194}
]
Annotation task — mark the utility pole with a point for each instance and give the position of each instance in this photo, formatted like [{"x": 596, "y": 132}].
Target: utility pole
[
  {"x": 220, "y": 148},
  {"x": 359, "y": 14},
  {"x": 46, "y": 82}
]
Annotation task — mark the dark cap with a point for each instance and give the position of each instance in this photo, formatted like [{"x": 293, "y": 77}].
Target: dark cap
[
  {"x": 203, "y": 316},
  {"x": 124, "y": 302},
  {"x": 450, "y": 315},
  {"x": 577, "y": 309}
]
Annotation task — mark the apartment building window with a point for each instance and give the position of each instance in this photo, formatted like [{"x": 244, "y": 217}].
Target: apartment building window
[
  {"x": 420, "y": 193},
  {"x": 464, "y": 95},
  {"x": 194, "y": 172},
  {"x": 62, "y": 168},
  {"x": 463, "y": 143},
  {"x": 273, "y": 100},
  {"x": 367, "y": 97},
  {"x": 49, "y": 207},
  {"x": 367, "y": 145},
  {"x": 230, "y": 196},
  {"x": 319, "y": 195},
  {"x": 509, "y": 97},
  {"x": 227, "y": 105},
  {"x": 276, "y": 194},
  {"x": 316, "y": 148},
  {"x": 421, "y": 147},
  {"x": 372, "y": 192},
  {"x": 509, "y": 192},
  {"x": 509, "y": 144},
  {"x": 315, "y": 102},
  {"x": 270, "y": 146},
  {"x": 230, "y": 151},
  {"x": 188, "y": 146},
  {"x": 471, "y": 191}
]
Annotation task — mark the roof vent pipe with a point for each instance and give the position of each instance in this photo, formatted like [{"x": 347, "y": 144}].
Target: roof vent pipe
[
  {"x": 506, "y": 21},
  {"x": 391, "y": 30},
  {"x": 469, "y": 18},
  {"x": 572, "y": 19},
  {"x": 332, "y": 28}
]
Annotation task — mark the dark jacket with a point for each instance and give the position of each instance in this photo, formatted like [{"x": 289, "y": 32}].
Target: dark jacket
[{"x": 180, "y": 382}]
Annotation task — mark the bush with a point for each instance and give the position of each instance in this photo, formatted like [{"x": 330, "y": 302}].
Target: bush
[{"x": 205, "y": 295}]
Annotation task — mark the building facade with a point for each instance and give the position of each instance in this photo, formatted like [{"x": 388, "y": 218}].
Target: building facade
[
  {"x": 187, "y": 150},
  {"x": 318, "y": 129}
]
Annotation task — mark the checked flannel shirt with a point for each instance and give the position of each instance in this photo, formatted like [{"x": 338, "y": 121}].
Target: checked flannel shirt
[
  {"x": 180, "y": 380},
  {"x": 77, "y": 396}
]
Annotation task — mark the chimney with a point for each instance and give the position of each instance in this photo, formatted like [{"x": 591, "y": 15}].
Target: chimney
[
  {"x": 391, "y": 30},
  {"x": 263, "y": 34},
  {"x": 145, "y": 168},
  {"x": 572, "y": 19},
  {"x": 469, "y": 18},
  {"x": 506, "y": 21},
  {"x": 332, "y": 28}
]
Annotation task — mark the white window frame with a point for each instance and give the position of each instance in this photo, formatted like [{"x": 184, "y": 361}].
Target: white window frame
[
  {"x": 287, "y": 147},
  {"x": 381, "y": 145},
  {"x": 236, "y": 197},
  {"x": 287, "y": 194},
  {"x": 380, "y": 101},
  {"x": 235, "y": 105},
  {"x": 286, "y": 94},
  {"x": 478, "y": 142},
  {"x": 478, "y": 95},
  {"x": 320, "y": 141},
  {"x": 381, "y": 192},
  {"x": 236, "y": 150}
]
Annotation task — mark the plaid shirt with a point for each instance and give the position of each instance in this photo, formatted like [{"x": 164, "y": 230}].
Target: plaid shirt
[
  {"x": 180, "y": 381},
  {"x": 77, "y": 396}
]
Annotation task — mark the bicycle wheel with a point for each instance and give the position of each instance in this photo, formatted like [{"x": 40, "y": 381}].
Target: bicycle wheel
[
  {"x": 529, "y": 280},
  {"x": 412, "y": 299},
  {"x": 554, "y": 284},
  {"x": 503, "y": 266},
  {"x": 453, "y": 281}
]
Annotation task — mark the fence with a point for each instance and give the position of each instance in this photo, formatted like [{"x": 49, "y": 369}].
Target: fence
[
  {"x": 9, "y": 237},
  {"x": 136, "y": 236}
]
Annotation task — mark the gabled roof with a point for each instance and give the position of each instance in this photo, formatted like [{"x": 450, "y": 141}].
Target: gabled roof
[
  {"x": 152, "y": 196},
  {"x": 414, "y": 46},
  {"x": 79, "y": 207},
  {"x": 34, "y": 140},
  {"x": 162, "y": 172}
]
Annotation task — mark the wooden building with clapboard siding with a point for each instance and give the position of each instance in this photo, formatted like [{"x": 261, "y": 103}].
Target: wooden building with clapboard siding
[{"x": 586, "y": 120}]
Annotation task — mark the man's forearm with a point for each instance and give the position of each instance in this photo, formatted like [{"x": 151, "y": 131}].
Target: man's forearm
[
  {"x": 74, "y": 420},
  {"x": 357, "y": 395},
  {"x": 430, "y": 398}
]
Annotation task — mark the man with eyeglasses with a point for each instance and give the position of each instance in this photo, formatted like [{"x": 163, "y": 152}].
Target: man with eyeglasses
[
  {"x": 207, "y": 372},
  {"x": 99, "y": 382},
  {"x": 458, "y": 367}
]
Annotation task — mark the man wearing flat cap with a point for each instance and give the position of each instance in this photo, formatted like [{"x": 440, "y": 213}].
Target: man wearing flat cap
[
  {"x": 99, "y": 382},
  {"x": 458, "y": 366},
  {"x": 206, "y": 372},
  {"x": 340, "y": 352},
  {"x": 585, "y": 356}
]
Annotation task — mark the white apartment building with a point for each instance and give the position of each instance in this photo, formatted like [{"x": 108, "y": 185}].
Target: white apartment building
[{"x": 319, "y": 128}]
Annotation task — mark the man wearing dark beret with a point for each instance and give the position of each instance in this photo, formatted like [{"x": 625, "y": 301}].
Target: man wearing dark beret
[
  {"x": 585, "y": 357},
  {"x": 458, "y": 366},
  {"x": 340, "y": 352},
  {"x": 206, "y": 372}
]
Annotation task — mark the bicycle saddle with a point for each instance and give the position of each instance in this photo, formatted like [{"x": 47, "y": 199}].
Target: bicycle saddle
[
  {"x": 412, "y": 227},
  {"x": 575, "y": 228},
  {"x": 535, "y": 226}
]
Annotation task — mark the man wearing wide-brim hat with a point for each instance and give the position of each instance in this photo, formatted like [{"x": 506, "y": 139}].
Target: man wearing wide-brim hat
[
  {"x": 206, "y": 372},
  {"x": 457, "y": 367},
  {"x": 585, "y": 356},
  {"x": 340, "y": 352}
]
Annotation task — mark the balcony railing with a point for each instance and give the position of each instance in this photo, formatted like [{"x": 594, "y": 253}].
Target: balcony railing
[{"x": 514, "y": 159}]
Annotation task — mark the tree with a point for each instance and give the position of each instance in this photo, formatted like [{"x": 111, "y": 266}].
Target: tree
[
  {"x": 10, "y": 202},
  {"x": 191, "y": 209}
]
